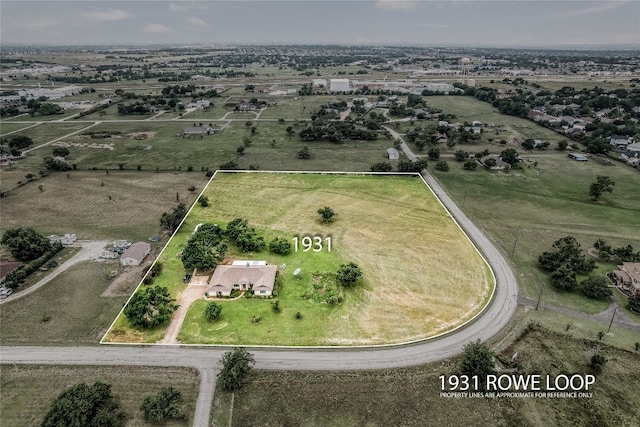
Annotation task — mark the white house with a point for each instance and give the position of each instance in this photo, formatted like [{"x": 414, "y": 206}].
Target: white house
[
  {"x": 135, "y": 254},
  {"x": 340, "y": 85},
  {"x": 393, "y": 154},
  {"x": 259, "y": 278},
  {"x": 319, "y": 83}
]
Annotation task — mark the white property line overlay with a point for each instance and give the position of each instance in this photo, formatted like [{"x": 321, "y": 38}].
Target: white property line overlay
[{"x": 303, "y": 347}]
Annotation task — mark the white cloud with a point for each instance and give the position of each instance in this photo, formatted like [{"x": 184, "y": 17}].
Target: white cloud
[
  {"x": 108, "y": 15},
  {"x": 185, "y": 6},
  {"x": 157, "y": 29},
  {"x": 179, "y": 7},
  {"x": 399, "y": 5},
  {"x": 603, "y": 6},
  {"x": 197, "y": 22}
]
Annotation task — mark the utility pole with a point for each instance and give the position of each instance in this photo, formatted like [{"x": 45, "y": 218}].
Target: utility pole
[
  {"x": 539, "y": 296},
  {"x": 612, "y": 317},
  {"x": 514, "y": 245}
]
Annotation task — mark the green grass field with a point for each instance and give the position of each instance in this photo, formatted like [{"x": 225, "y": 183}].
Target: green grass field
[
  {"x": 383, "y": 224},
  {"x": 541, "y": 204},
  {"x": 411, "y": 396},
  {"x": 27, "y": 391},
  {"x": 69, "y": 309},
  {"x": 80, "y": 204}
]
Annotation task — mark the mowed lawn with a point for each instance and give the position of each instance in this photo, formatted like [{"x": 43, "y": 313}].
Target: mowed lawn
[
  {"x": 411, "y": 396},
  {"x": 27, "y": 391},
  {"x": 525, "y": 211},
  {"x": 422, "y": 277}
]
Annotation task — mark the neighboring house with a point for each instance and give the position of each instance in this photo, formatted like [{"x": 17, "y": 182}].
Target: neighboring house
[
  {"x": 633, "y": 150},
  {"x": 627, "y": 277},
  {"x": 619, "y": 141},
  {"x": 201, "y": 104},
  {"x": 393, "y": 154},
  {"x": 578, "y": 157},
  {"x": 259, "y": 278},
  {"x": 135, "y": 254},
  {"x": 494, "y": 162},
  {"x": 245, "y": 106}
]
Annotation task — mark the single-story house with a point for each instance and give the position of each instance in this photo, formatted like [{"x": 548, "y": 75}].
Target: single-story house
[
  {"x": 393, "y": 154},
  {"x": 494, "y": 162},
  {"x": 201, "y": 104},
  {"x": 259, "y": 278},
  {"x": 627, "y": 277},
  {"x": 633, "y": 148},
  {"x": 578, "y": 157},
  {"x": 619, "y": 141},
  {"x": 135, "y": 254}
]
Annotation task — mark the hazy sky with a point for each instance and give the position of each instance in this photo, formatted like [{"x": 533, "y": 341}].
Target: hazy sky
[{"x": 469, "y": 23}]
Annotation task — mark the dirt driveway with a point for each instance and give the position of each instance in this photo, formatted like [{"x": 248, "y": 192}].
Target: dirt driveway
[{"x": 90, "y": 250}]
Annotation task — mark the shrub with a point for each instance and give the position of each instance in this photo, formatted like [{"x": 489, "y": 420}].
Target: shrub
[
  {"x": 212, "y": 311},
  {"x": 164, "y": 405},
  {"x": 280, "y": 246}
]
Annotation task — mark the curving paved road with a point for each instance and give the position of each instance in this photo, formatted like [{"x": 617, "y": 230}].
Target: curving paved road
[{"x": 493, "y": 319}]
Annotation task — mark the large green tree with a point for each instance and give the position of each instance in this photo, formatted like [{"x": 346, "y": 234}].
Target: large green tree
[
  {"x": 564, "y": 278},
  {"x": 477, "y": 359},
  {"x": 236, "y": 365},
  {"x": 167, "y": 404},
  {"x": 171, "y": 220},
  {"x": 595, "y": 287},
  {"x": 602, "y": 184},
  {"x": 348, "y": 274},
  {"x": 510, "y": 156},
  {"x": 150, "y": 307},
  {"x": 634, "y": 302},
  {"x": 82, "y": 405},
  {"x": 25, "y": 244}
]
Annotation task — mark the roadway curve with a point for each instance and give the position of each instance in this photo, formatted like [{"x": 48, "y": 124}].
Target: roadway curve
[{"x": 495, "y": 317}]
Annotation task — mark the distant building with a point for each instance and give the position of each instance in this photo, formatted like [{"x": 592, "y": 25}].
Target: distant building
[
  {"x": 319, "y": 83},
  {"x": 494, "y": 162},
  {"x": 393, "y": 154},
  {"x": 619, "y": 141},
  {"x": 340, "y": 85},
  {"x": 201, "y": 104},
  {"x": 199, "y": 130},
  {"x": 578, "y": 157},
  {"x": 135, "y": 254}
]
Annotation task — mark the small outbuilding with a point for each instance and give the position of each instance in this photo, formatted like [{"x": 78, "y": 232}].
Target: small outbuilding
[
  {"x": 135, "y": 254},
  {"x": 393, "y": 154},
  {"x": 578, "y": 157}
]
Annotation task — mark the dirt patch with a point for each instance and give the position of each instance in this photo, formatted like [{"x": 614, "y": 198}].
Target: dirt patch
[
  {"x": 138, "y": 136},
  {"x": 83, "y": 145},
  {"x": 126, "y": 282}
]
